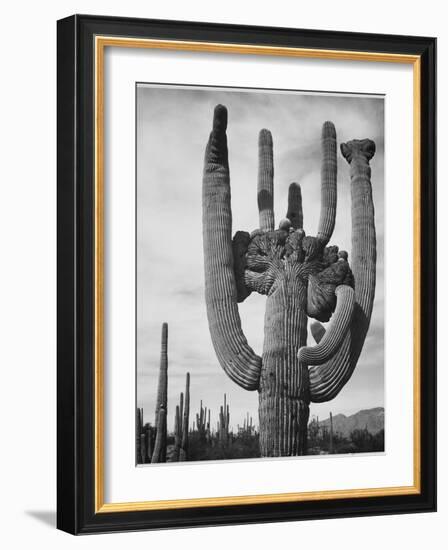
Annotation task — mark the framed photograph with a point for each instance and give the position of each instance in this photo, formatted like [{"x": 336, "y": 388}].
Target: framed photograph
[{"x": 246, "y": 274}]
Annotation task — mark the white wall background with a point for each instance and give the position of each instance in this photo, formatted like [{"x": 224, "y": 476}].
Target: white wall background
[{"x": 28, "y": 272}]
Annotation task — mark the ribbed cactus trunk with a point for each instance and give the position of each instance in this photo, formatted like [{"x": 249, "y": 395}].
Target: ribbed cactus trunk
[
  {"x": 159, "y": 454},
  {"x": 183, "y": 451},
  {"x": 138, "y": 435},
  {"x": 162, "y": 388},
  {"x": 300, "y": 275},
  {"x": 148, "y": 443},
  {"x": 177, "y": 435},
  {"x": 265, "y": 194},
  {"x": 283, "y": 393},
  {"x": 331, "y": 434}
]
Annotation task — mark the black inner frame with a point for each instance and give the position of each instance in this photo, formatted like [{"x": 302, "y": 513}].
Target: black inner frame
[{"x": 75, "y": 295}]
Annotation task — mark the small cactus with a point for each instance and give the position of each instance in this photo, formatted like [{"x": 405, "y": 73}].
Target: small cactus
[
  {"x": 201, "y": 422},
  {"x": 138, "y": 431},
  {"x": 148, "y": 442},
  {"x": 183, "y": 451},
  {"x": 331, "y": 434},
  {"x": 177, "y": 434},
  {"x": 224, "y": 422}
]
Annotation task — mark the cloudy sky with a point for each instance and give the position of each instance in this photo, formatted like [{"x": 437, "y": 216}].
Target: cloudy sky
[{"x": 173, "y": 124}]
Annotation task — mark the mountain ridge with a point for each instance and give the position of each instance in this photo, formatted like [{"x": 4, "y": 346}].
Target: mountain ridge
[{"x": 372, "y": 419}]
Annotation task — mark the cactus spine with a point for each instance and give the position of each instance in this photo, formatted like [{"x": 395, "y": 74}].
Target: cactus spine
[{"x": 300, "y": 275}]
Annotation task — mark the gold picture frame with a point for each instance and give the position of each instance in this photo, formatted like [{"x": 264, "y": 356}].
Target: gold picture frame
[{"x": 92, "y": 31}]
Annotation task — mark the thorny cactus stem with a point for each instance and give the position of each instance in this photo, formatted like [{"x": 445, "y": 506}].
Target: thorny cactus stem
[
  {"x": 224, "y": 422},
  {"x": 177, "y": 434},
  {"x": 294, "y": 213},
  {"x": 138, "y": 434},
  {"x": 162, "y": 398},
  {"x": 265, "y": 193},
  {"x": 301, "y": 277},
  {"x": 186, "y": 417},
  {"x": 235, "y": 355},
  {"x": 337, "y": 330},
  {"x": 162, "y": 388},
  {"x": 327, "y": 379},
  {"x": 328, "y": 199},
  {"x": 159, "y": 454},
  {"x": 148, "y": 443},
  {"x": 331, "y": 433}
]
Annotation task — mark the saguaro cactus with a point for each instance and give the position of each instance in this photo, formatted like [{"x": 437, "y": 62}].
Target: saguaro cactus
[
  {"x": 331, "y": 433},
  {"x": 201, "y": 422},
  {"x": 138, "y": 435},
  {"x": 300, "y": 275},
  {"x": 159, "y": 454},
  {"x": 148, "y": 442},
  {"x": 177, "y": 434},
  {"x": 224, "y": 422},
  {"x": 186, "y": 417}
]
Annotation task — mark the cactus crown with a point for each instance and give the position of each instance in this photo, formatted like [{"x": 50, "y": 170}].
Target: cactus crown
[
  {"x": 267, "y": 258},
  {"x": 269, "y": 255},
  {"x": 263, "y": 258}
]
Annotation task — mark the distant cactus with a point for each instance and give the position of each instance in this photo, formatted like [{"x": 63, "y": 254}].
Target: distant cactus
[
  {"x": 159, "y": 454},
  {"x": 183, "y": 453},
  {"x": 162, "y": 388},
  {"x": 148, "y": 431},
  {"x": 224, "y": 422},
  {"x": 138, "y": 435},
  {"x": 300, "y": 275},
  {"x": 331, "y": 434},
  {"x": 201, "y": 422},
  {"x": 177, "y": 434}
]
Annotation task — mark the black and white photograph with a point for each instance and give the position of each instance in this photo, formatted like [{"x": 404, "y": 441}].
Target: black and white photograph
[
  {"x": 246, "y": 238},
  {"x": 260, "y": 271}
]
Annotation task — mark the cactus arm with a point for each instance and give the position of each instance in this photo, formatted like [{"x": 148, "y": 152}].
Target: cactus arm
[
  {"x": 265, "y": 193},
  {"x": 148, "y": 444},
  {"x": 327, "y": 380},
  {"x": 235, "y": 355},
  {"x": 337, "y": 330},
  {"x": 295, "y": 213},
  {"x": 363, "y": 257},
  {"x": 328, "y": 183}
]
